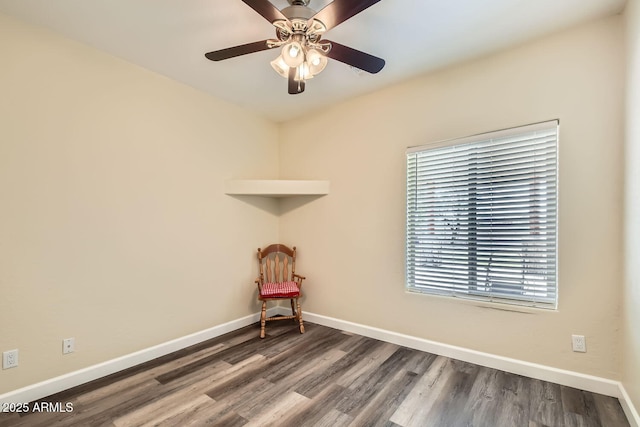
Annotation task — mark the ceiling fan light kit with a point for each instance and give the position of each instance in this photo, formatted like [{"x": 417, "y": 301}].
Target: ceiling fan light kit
[{"x": 299, "y": 30}]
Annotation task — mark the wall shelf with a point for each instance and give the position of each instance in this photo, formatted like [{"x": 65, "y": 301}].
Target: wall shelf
[{"x": 276, "y": 187}]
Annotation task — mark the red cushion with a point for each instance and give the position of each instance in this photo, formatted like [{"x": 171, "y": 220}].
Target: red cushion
[{"x": 280, "y": 290}]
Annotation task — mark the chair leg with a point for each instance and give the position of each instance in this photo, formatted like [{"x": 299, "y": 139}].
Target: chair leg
[
  {"x": 263, "y": 318},
  {"x": 293, "y": 310},
  {"x": 300, "y": 316}
]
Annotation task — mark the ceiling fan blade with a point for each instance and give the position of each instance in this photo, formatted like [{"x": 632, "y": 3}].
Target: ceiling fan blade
[
  {"x": 355, "y": 58},
  {"x": 295, "y": 87},
  {"x": 243, "y": 49},
  {"x": 339, "y": 11},
  {"x": 266, "y": 9}
]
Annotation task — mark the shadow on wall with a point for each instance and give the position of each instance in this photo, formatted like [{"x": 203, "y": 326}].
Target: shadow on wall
[{"x": 276, "y": 206}]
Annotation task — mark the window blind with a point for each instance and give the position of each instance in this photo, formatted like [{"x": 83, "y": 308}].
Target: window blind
[{"x": 482, "y": 217}]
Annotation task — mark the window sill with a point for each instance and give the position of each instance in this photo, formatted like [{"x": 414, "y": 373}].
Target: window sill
[{"x": 499, "y": 306}]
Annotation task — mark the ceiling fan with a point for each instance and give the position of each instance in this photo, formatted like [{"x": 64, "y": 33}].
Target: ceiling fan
[{"x": 299, "y": 31}]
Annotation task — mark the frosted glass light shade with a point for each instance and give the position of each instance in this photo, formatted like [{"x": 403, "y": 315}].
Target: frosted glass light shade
[
  {"x": 306, "y": 61},
  {"x": 280, "y": 66},
  {"x": 316, "y": 61},
  {"x": 293, "y": 54}
]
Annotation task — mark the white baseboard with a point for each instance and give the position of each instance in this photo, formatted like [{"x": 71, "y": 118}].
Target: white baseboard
[
  {"x": 628, "y": 408},
  {"x": 532, "y": 370},
  {"x": 82, "y": 376},
  {"x": 520, "y": 367}
]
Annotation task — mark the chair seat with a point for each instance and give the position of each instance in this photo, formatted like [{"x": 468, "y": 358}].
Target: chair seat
[{"x": 280, "y": 290}]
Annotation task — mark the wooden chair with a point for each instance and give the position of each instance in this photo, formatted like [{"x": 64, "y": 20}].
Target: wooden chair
[{"x": 278, "y": 281}]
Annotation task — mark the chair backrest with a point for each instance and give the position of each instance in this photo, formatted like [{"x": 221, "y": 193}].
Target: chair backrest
[{"x": 277, "y": 263}]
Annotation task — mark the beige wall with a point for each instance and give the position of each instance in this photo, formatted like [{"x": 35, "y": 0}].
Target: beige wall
[
  {"x": 115, "y": 229},
  {"x": 631, "y": 290},
  {"x": 352, "y": 241}
]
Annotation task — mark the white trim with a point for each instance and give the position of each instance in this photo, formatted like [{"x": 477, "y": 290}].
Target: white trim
[
  {"x": 276, "y": 187},
  {"x": 532, "y": 370},
  {"x": 82, "y": 376},
  {"x": 628, "y": 408}
]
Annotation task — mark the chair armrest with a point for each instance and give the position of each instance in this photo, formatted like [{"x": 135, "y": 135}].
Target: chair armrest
[{"x": 299, "y": 279}]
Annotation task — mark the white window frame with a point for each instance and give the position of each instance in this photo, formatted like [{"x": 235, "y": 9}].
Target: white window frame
[{"x": 482, "y": 217}]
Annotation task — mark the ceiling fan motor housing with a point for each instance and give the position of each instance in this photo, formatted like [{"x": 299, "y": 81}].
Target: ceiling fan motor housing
[{"x": 298, "y": 12}]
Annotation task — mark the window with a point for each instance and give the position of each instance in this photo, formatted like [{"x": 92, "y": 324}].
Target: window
[{"x": 482, "y": 217}]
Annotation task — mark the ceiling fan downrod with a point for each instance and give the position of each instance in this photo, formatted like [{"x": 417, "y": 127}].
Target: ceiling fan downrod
[{"x": 299, "y": 2}]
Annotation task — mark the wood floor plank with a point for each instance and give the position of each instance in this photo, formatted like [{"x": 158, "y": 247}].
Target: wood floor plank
[
  {"x": 98, "y": 414},
  {"x": 324, "y": 377},
  {"x": 247, "y": 399},
  {"x": 514, "y": 400},
  {"x": 259, "y": 400},
  {"x": 579, "y": 408},
  {"x": 485, "y": 399},
  {"x": 448, "y": 409},
  {"x": 415, "y": 408},
  {"x": 193, "y": 366},
  {"x": 290, "y": 368},
  {"x": 609, "y": 409},
  {"x": 313, "y": 368},
  {"x": 176, "y": 413},
  {"x": 314, "y": 384},
  {"x": 363, "y": 391},
  {"x": 272, "y": 414},
  {"x": 174, "y": 396},
  {"x": 130, "y": 402},
  {"x": 314, "y": 410},
  {"x": 546, "y": 402},
  {"x": 333, "y": 418},
  {"x": 277, "y": 341},
  {"x": 287, "y": 363},
  {"x": 9, "y": 419},
  {"x": 419, "y": 362},
  {"x": 365, "y": 366},
  {"x": 261, "y": 391},
  {"x": 377, "y": 410},
  {"x": 207, "y": 413}
]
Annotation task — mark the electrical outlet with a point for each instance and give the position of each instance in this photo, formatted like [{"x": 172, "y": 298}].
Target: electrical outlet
[
  {"x": 68, "y": 345},
  {"x": 10, "y": 359},
  {"x": 579, "y": 343}
]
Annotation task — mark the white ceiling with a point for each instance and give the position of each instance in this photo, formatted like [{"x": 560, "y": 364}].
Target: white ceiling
[{"x": 413, "y": 36}]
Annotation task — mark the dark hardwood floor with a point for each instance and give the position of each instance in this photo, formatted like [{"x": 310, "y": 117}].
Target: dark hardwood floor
[{"x": 325, "y": 377}]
